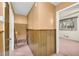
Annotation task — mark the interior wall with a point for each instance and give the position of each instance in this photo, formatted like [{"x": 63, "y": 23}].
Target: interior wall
[
  {"x": 69, "y": 38},
  {"x": 1, "y": 38},
  {"x": 20, "y": 26},
  {"x": 41, "y": 23},
  {"x": 38, "y": 19},
  {"x": 1, "y": 9},
  {"x": 47, "y": 16},
  {"x": 20, "y": 19},
  {"x": 70, "y": 34},
  {"x": 63, "y": 5},
  {"x": 20, "y": 31},
  {"x": 1, "y": 28}
]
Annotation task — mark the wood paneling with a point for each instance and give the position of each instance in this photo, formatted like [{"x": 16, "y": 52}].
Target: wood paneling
[
  {"x": 42, "y": 42},
  {"x": 41, "y": 21}
]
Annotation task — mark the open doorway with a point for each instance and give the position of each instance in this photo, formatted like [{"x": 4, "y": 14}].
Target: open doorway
[{"x": 20, "y": 31}]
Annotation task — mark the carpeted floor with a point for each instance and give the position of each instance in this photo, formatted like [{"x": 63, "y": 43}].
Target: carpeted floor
[
  {"x": 1, "y": 54},
  {"x": 68, "y": 47},
  {"x": 22, "y": 51}
]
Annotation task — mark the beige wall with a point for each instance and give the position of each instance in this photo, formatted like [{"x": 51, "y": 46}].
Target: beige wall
[
  {"x": 42, "y": 16},
  {"x": 33, "y": 18},
  {"x": 63, "y": 5},
  {"x": 1, "y": 9},
  {"x": 1, "y": 28},
  {"x": 20, "y": 19},
  {"x": 1, "y": 38},
  {"x": 1, "y": 42},
  {"x": 20, "y": 26}
]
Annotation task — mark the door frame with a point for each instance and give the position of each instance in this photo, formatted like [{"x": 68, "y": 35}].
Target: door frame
[
  {"x": 57, "y": 25},
  {"x": 11, "y": 28}
]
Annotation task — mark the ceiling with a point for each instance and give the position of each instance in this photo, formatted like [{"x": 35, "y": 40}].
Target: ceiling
[
  {"x": 55, "y": 3},
  {"x": 23, "y": 8}
]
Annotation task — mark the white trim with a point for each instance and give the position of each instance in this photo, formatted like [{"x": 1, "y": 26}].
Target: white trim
[
  {"x": 11, "y": 30},
  {"x": 69, "y": 7},
  {"x": 3, "y": 38},
  {"x": 57, "y": 39},
  {"x": 57, "y": 25}
]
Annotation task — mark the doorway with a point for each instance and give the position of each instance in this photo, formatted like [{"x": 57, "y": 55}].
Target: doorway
[{"x": 20, "y": 32}]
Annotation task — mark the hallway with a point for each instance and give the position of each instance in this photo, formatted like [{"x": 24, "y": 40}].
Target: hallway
[
  {"x": 29, "y": 26},
  {"x": 40, "y": 29}
]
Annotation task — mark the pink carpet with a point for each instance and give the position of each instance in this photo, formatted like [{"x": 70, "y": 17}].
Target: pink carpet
[
  {"x": 22, "y": 51},
  {"x": 68, "y": 47}
]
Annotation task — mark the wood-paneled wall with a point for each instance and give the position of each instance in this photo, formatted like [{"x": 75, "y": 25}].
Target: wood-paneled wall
[{"x": 42, "y": 42}]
